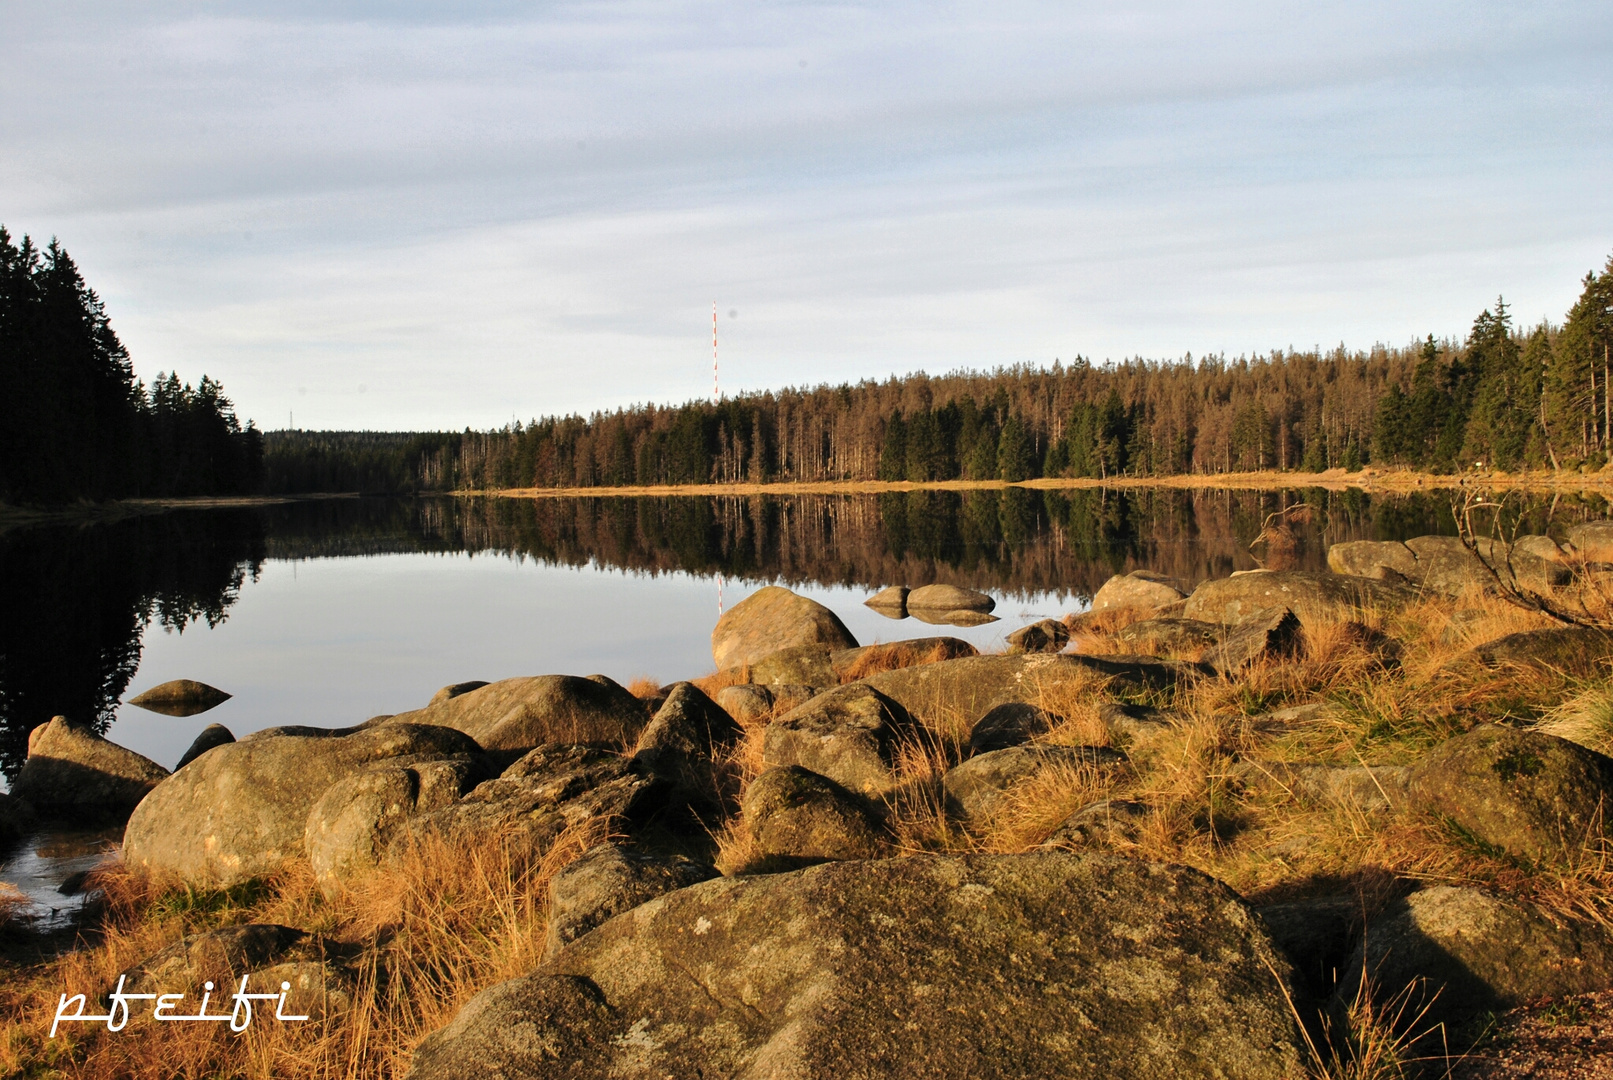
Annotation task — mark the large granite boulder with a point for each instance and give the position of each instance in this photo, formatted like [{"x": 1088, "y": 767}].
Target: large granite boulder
[
  {"x": 801, "y": 665},
  {"x": 547, "y": 792},
  {"x": 607, "y": 880},
  {"x": 210, "y": 736},
  {"x": 795, "y": 816},
  {"x": 948, "y": 598},
  {"x": 849, "y": 734},
  {"x": 976, "y": 789},
  {"x": 352, "y": 824},
  {"x": 180, "y": 697},
  {"x": 1141, "y": 590},
  {"x": 1314, "y": 598},
  {"x": 1529, "y": 794},
  {"x": 1038, "y": 965},
  {"x": 774, "y": 618},
  {"x": 512, "y": 716},
  {"x": 241, "y": 810},
  {"x": 1573, "y": 650},
  {"x": 679, "y": 745},
  {"x": 1458, "y": 952},
  {"x": 73, "y": 773},
  {"x": 1388, "y": 559},
  {"x": 954, "y": 694}
]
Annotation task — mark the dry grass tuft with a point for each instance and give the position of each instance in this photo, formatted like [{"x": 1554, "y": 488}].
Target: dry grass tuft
[
  {"x": 719, "y": 680},
  {"x": 643, "y": 687},
  {"x": 889, "y": 657}
]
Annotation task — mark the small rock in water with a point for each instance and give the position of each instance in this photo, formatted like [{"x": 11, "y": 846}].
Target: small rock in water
[
  {"x": 180, "y": 697},
  {"x": 948, "y": 598},
  {"x": 960, "y": 617},
  {"x": 889, "y": 600},
  {"x": 212, "y": 735}
]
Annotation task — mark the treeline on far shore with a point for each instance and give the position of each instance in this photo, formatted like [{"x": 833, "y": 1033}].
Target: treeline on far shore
[
  {"x": 76, "y": 424},
  {"x": 1504, "y": 397}
]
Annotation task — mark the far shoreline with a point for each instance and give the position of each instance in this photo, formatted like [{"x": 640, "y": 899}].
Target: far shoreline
[{"x": 1368, "y": 480}]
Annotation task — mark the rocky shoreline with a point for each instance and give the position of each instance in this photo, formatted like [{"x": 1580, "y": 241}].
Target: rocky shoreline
[{"x": 1241, "y": 830}]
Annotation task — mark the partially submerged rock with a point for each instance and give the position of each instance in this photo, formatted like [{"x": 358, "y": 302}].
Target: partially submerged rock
[
  {"x": 240, "y": 810},
  {"x": 180, "y": 697},
  {"x": 73, "y": 773},
  {"x": 774, "y": 618},
  {"x": 891, "y": 599},
  {"x": 1313, "y": 598},
  {"x": 1528, "y": 794},
  {"x": 1458, "y": 952},
  {"x": 514, "y": 715},
  {"x": 948, "y": 598},
  {"x": 1037, "y": 965},
  {"x": 608, "y": 880},
  {"x": 848, "y": 734},
  {"x": 210, "y": 736},
  {"x": 975, "y": 789},
  {"x": 795, "y": 817},
  {"x": 958, "y": 617}
]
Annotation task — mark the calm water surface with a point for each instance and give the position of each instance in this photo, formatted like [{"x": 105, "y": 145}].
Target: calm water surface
[{"x": 332, "y": 611}]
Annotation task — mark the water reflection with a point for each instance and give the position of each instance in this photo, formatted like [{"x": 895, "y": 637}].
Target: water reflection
[{"x": 78, "y": 598}]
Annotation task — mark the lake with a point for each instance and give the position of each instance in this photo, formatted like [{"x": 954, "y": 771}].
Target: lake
[{"x": 329, "y": 611}]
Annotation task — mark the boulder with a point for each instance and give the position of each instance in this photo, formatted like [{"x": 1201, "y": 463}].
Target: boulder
[
  {"x": 1009, "y": 724},
  {"x": 73, "y": 773},
  {"x": 241, "y": 810},
  {"x": 746, "y": 703},
  {"x": 1528, "y": 794},
  {"x": 1046, "y": 636},
  {"x": 212, "y": 735},
  {"x": 679, "y": 745},
  {"x": 1573, "y": 650},
  {"x": 975, "y": 790},
  {"x": 608, "y": 880},
  {"x": 1270, "y": 634},
  {"x": 180, "y": 697},
  {"x": 1107, "y": 823},
  {"x": 774, "y": 618},
  {"x": 800, "y": 665},
  {"x": 1593, "y": 541},
  {"x": 1372, "y": 558},
  {"x": 266, "y": 953},
  {"x": 514, "y": 715},
  {"x": 948, "y": 598},
  {"x": 1141, "y": 590},
  {"x": 848, "y": 734},
  {"x": 890, "y": 598},
  {"x": 957, "y": 693},
  {"x": 795, "y": 817},
  {"x": 1170, "y": 635},
  {"x": 1038, "y": 965},
  {"x": 1459, "y": 952},
  {"x": 852, "y": 664},
  {"x": 541, "y": 796},
  {"x": 1445, "y": 565},
  {"x": 453, "y": 690},
  {"x": 1363, "y": 787},
  {"x": 1314, "y": 598},
  {"x": 351, "y": 825}
]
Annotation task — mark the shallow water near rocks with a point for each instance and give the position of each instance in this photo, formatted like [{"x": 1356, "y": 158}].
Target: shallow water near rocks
[{"x": 327, "y": 612}]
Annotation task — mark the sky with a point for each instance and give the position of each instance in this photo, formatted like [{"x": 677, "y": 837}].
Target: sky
[{"x": 423, "y": 216}]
